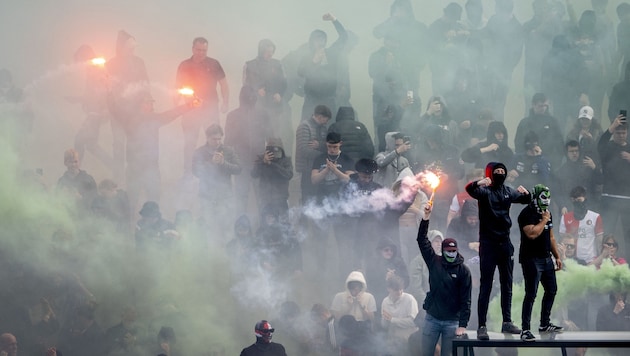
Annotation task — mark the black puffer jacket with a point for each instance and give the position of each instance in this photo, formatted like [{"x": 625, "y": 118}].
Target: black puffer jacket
[{"x": 357, "y": 142}]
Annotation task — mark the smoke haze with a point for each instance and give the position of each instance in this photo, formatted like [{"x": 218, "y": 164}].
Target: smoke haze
[{"x": 39, "y": 38}]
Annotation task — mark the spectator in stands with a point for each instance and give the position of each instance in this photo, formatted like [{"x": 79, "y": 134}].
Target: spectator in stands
[
  {"x": 357, "y": 142},
  {"x": 585, "y": 224}
]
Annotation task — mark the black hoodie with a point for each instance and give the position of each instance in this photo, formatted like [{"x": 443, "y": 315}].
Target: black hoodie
[
  {"x": 494, "y": 207},
  {"x": 502, "y": 154},
  {"x": 450, "y": 283}
]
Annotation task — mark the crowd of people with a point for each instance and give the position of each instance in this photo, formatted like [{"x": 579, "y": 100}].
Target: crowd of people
[{"x": 284, "y": 216}]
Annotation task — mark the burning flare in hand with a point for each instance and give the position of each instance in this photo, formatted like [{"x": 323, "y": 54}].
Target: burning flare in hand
[{"x": 190, "y": 96}]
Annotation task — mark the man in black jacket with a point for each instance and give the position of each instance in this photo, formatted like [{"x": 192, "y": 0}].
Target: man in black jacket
[
  {"x": 263, "y": 344},
  {"x": 495, "y": 247},
  {"x": 450, "y": 284}
]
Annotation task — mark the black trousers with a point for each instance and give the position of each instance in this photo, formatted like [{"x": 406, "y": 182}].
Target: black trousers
[
  {"x": 492, "y": 256},
  {"x": 535, "y": 271}
]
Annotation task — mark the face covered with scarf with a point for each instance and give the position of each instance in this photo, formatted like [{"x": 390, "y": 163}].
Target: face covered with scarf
[
  {"x": 541, "y": 197},
  {"x": 580, "y": 207},
  {"x": 449, "y": 250}
]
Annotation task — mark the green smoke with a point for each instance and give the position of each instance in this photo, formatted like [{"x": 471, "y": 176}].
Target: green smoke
[{"x": 574, "y": 282}]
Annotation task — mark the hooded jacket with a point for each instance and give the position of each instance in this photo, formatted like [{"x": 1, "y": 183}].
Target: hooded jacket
[
  {"x": 503, "y": 154},
  {"x": 549, "y": 134},
  {"x": 343, "y": 302},
  {"x": 267, "y": 74},
  {"x": 390, "y": 163},
  {"x": 444, "y": 121},
  {"x": 379, "y": 266},
  {"x": 494, "y": 207},
  {"x": 273, "y": 177},
  {"x": 450, "y": 283},
  {"x": 459, "y": 229},
  {"x": 356, "y": 139}
]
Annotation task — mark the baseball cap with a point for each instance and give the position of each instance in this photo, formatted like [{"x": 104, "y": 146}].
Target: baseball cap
[
  {"x": 586, "y": 112},
  {"x": 449, "y": 242}
]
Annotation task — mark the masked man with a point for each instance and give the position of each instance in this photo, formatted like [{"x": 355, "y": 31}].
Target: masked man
[
  {"x": 450, "y": 284},
  {"x": 537, "y": 246},
  {"x": 495, "y": 248}
]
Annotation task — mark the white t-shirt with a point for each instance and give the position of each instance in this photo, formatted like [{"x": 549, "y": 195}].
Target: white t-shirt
[{"x": 586, "y": 231}]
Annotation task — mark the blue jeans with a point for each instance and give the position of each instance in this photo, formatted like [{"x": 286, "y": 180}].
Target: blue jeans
[
  {"x": 535, "y": 271},
  {"x": 431, "y": 332}
]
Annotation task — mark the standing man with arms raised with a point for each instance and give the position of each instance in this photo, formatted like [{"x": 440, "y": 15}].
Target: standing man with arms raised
[
  {"x": 450, "y": 285},
  {"x": 537, "y": 246},
  {"x": 202, "y": 74},
  {"x": 495, "y": 247}
]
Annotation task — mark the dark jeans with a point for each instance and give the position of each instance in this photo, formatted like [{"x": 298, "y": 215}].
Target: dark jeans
[
  {"x": 538, "y": 270},
  {"x": 493, "y": 255}
]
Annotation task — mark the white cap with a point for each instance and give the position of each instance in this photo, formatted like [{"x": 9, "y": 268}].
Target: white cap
[{"x": 586, "y": 112}]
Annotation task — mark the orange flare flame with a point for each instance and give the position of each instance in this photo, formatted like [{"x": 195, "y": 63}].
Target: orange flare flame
[
  {"x": 98, "y": 61},
  {"x": 186, "y": 91},
  {"x": 433, "y": 179}
]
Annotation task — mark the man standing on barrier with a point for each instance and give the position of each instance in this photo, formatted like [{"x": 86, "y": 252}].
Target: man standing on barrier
[
  {"x": 450, "y": 285},
  {"x": 537, "y": 246},
  {"x": 495, "y": 247}
]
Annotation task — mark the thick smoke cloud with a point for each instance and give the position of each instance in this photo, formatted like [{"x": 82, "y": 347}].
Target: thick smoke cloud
[{"x": 39, "y": 38}]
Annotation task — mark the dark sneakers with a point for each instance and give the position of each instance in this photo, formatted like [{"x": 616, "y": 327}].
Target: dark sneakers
[
  {"x": 527, "y": 335},
  {"x": 510, "y": 328},
  {"x": 550, "y": 329},
  {"x": 482, "y": 333}
]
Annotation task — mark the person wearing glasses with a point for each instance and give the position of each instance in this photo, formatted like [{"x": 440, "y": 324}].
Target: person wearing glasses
[
  {"x": 610, "y": 247},
  {"x": 264, "y": 345}
]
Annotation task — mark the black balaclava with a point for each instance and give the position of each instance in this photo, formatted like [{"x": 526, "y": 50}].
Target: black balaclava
[
  {"x": 497, "y": 179},
  {"x": 579, "y": 209}
]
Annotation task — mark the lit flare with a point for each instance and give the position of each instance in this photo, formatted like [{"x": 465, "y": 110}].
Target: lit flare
[
  {"x": 186, "y": 91},
  {"x": 434, "y": 182},
  {"x": 98, "y": 61}
]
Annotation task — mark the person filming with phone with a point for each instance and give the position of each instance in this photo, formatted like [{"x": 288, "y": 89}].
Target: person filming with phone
[{"x": 614, "y": 153}]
